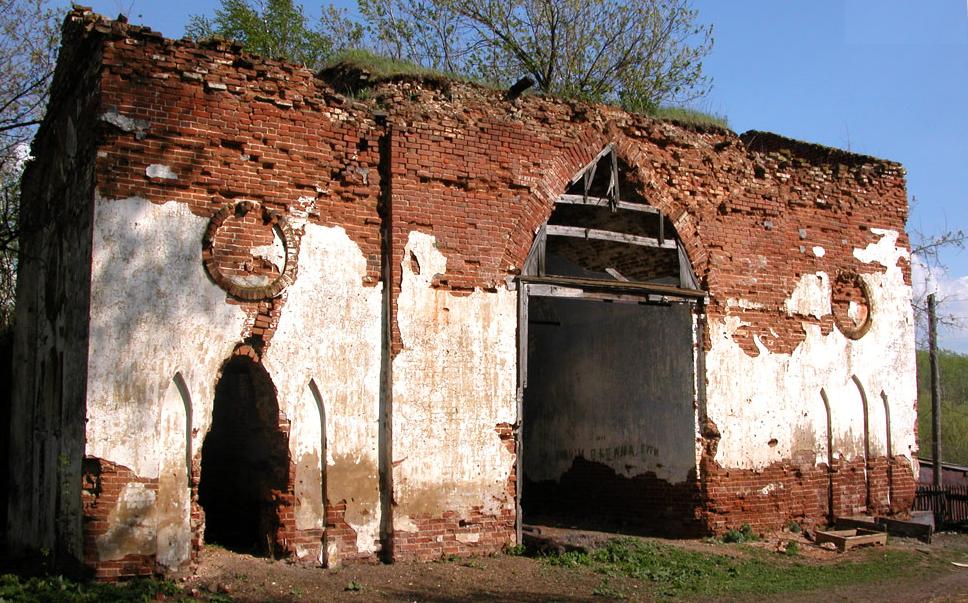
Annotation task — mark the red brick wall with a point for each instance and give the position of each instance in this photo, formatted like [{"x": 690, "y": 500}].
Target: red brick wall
[
  {"x": 234, "y": 127},
  {"x": 101, "y": 484},
  {"x": 769, "y": 499}
]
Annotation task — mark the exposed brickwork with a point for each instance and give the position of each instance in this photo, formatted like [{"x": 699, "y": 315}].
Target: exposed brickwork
[
  {"x": 473, "y": 533},
  {"x": 229, "y": 250},
  {"x": 102, "y": 483},
  {"x": 228, "y": 127},
  {"x": 770, "y": 498}
]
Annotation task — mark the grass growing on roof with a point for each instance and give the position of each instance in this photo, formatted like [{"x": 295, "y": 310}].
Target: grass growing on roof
[
  {"x": 383, "y": 67},
  {"x": 676, "y": 572},
  {"x": 690, "y": 116}
]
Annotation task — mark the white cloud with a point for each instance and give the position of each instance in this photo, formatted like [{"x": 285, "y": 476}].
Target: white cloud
[{"x": 952, "y": 294}]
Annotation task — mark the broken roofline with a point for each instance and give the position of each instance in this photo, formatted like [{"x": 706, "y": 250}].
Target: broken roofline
[{"x": 754, "y": 140}]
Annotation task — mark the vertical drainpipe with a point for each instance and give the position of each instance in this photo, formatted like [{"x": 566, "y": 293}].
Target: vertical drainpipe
[{"x": 385, "y": 439}]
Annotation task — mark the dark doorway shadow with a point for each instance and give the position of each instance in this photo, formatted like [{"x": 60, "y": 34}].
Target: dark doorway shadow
[{"x": 245, "y": 462}]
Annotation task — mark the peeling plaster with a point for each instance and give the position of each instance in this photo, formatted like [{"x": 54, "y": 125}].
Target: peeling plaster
[
  {"x": 125, "y": 123},
  {"x": 329, "y": 333},
  {"x": 777, "y": 396},
  {"x": 811, "y": 296},
  {"x": 154, "y": 313},
  {"x": 743, "y": 304},
  {"x": 157, "y": 170},
  {"x": 454, "y": 380},
  {"x": 132, "y": 524}
]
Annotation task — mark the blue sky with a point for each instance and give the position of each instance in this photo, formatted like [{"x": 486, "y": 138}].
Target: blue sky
[{"x": 887, "y": 78}]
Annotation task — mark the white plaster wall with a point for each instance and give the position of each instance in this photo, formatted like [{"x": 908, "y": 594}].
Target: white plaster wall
[
  {"x": 453, "y": 382},
  {"x": 329, "y": 332},
  {"x": 173, "y": 507},
  {"x": 754, "y": 400},
  {"x": 154, "y": 313}
]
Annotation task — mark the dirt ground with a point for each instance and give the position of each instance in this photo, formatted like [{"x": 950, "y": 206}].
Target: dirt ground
[{"x": 511, "y": 578}]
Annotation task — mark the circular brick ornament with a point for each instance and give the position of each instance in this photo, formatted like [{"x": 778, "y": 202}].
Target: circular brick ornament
[
  {"x": 234, "y": 246},
  {"x": 851, "y": 305}
]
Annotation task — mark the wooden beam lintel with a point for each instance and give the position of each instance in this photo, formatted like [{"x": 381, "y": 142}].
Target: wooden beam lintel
[
  {"x": 606, "y": 235},
  {"x": 603, "y": 202}
]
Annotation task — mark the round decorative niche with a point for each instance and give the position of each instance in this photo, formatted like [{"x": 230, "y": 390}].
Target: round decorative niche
[
  {"x": 851, "y": 304},
  {"x": 250, "y": 251}
]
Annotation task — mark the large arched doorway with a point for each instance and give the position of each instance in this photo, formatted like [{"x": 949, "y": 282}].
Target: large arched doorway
[
  {"x": 245, "y": 461},
  {"x": 610, "y": 322}
]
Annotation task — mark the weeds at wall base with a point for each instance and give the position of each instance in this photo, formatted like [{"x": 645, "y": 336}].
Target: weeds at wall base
[{"x": 674, "y": 571}]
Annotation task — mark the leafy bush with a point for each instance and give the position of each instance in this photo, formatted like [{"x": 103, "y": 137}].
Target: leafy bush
[{"x": 743, "y": 534}]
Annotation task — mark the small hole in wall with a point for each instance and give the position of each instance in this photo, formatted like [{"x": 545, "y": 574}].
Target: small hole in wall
[
  {"x": 414, "y": 264},
  {"x": 773, "y": 442}
]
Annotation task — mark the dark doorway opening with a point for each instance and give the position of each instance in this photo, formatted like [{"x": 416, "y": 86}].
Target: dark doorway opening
[
  {"x": 610, "y": 343},
  {"x": 245, "y": 462},
  {"x": 609, "y": 417}
]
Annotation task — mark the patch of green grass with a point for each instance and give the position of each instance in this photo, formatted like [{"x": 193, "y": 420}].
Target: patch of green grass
[
  {"x": 354, "y": 586},
  {"x": 691, "y": 117},
  {"x": 607, "y": 590},
  {"x": 381, "y": 67},
  {"x": 515, "y": 550},
  {"x": 674, "y": 571},
  {"x": 57, "y": 589},
  {"x": 792, "y": 548},
  {"x": 569, "y": 559},
  {"x": 743, "y": 534}
]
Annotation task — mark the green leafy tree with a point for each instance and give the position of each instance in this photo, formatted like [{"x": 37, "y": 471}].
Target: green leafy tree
[
  {"x": 641, "y": 54},
  {"x": 953, "y": 369},
  {"x": 28, "y": 50},
  {"x": 279, "y": 29}
]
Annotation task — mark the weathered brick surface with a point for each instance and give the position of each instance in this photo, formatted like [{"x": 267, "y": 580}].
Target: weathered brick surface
[
  {"x": 782, "y": 492},
  {"x": 102, "y": 483},
  {"x": 208, "y": 126}
]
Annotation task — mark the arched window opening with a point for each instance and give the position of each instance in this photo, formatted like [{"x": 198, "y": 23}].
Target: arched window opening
[{"x": 603, "y": 229}]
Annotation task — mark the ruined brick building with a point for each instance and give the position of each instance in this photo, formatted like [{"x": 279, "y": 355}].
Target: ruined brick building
[{"x": 255, "y": 311}]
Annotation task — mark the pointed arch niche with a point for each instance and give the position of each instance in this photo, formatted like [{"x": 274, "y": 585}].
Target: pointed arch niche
[
  {"x": 173, "y": 506},
  {"x": 609, "y": 310},
  {"x": 308, "y": 448}
]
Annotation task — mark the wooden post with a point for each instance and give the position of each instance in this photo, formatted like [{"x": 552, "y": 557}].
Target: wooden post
[{"x": 935, "y": 390}]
